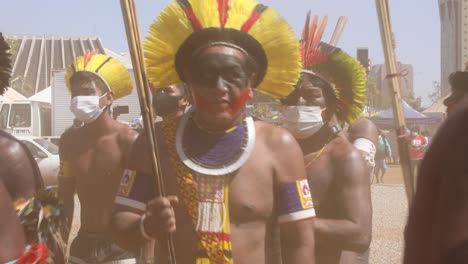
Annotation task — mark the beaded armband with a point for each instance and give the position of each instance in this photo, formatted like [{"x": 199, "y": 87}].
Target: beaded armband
[{"x": 293, "y": 201}]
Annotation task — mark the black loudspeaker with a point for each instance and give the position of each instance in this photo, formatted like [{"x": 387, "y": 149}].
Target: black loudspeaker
[{"x": 363, "y": 58}]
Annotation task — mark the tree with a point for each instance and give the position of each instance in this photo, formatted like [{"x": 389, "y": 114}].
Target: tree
[
  {"x": 436, "y": 95},
  {"x": 414, "y": 102}
]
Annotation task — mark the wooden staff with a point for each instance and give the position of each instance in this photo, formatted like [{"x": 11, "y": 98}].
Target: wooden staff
[
  {"x": 340, "y": 25},
  {"x": 144, "y": 95},
  {"x": 393, "y": 76}
]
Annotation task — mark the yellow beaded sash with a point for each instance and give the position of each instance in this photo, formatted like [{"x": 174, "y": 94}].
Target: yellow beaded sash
[{"x": 213, "y": 247}]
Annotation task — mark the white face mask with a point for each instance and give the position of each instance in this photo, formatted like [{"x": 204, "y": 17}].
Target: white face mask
[
  {"x": 86, "y": 108},
  {"x": 302, "y": 121}
]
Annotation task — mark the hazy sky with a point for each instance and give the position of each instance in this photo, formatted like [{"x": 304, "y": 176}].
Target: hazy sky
[{"x": 416, "y": 26}]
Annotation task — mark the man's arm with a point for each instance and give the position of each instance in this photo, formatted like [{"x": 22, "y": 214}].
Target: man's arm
[
  {"x": 12, "y": 240},
  {"x": 354, "y": 231},
  {"x": 66, "y": 182},
  {"x": 140, "y": 158},
  {"x": 17, "y": 169},
  {"x": 297, "y": 237}
]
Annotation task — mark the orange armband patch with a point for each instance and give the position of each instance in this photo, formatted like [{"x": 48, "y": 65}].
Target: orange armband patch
[
  {"x": 293, "y": 201},
  {"x": 64, "y": 169}
]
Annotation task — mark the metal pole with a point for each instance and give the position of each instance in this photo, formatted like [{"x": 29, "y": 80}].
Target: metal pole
[
  {"x": 144, "y": 93},
  {"x": 394, "y": 81}
]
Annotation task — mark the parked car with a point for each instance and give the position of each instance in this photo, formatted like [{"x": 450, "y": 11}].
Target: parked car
[
  {"x": 46, "y": 155},
  {"x": 53, "y": 139}
]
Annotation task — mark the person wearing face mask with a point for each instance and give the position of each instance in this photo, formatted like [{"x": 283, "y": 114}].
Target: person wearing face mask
[
  {"x": 170, "y": 101},
  {"x": 329, "y": 95},
  {"x": 94, "y": 155}
]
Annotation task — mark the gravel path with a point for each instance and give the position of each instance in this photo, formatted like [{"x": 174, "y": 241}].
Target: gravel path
[
  {"x": 389, "y": 219},
  {"x": 390, "y": 211}
]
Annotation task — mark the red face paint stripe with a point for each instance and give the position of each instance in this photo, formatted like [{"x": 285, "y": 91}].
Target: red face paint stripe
[
  {"x": 239, "y": 103},
  {"x": 256, "y": 13},
  {"x": 223, "y": 7}
]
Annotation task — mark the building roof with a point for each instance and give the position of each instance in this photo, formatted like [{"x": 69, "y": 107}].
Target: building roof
[
  {"x": 38, "y": 55},
  {"x": 437, "y": 107}
]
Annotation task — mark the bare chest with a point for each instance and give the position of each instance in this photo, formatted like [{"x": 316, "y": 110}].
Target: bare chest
[
  {"x": 320, "y": 174},
  {"x": 251, "y": 192},
  {"x": 100, "y": 157}
]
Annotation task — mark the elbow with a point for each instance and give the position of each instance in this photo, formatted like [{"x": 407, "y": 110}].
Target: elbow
[{"x": 361, "y": 243}]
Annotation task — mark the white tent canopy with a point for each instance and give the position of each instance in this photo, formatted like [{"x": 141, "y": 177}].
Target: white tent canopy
[
  {"x": 437, "y": 106},
  {"x": 43, "y": 96},
  {"x": 11, "y": 95}
]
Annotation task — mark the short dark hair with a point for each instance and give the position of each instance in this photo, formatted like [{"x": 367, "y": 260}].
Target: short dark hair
[
  {"x": 82, "y": 77},
  {"x": 459, "y": 80}
]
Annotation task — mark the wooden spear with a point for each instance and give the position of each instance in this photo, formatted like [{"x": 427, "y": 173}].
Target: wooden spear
[
  {"x": 340, "y": 25},
  {"x": 393, "y": 76},
  {"x": 144, "y": 95}
]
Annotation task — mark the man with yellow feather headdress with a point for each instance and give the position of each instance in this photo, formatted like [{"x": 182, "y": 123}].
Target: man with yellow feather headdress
[
  {"x": 93, "y": 156},
  {"x": 329, "y": 95},
  {"x": 236, "y": 181}
]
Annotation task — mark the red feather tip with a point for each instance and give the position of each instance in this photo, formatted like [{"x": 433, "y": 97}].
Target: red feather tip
[
  {"x": 312, "y": 35},
  {"x": 87, "y": 56},
  {"x": 223, "y": 7},
  {"x": 256, "y": 13}
]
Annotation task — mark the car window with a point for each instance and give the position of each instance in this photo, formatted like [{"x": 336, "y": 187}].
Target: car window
[
  {"x": 20, "y": 115},
  {"x": 54, "y": 140},
  {"x": 49, "y": 146},
  {"x": 34, "y": 149}
]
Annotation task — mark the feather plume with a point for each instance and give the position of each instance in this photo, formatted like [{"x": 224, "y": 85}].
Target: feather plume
[
  {"x": 223, "y": 6},
  {"x": 5, "y": 65},
  {"x": 173, "y": 27},
  {"x": 113, "y": 72},
  {"x": 346, "y": 74}
]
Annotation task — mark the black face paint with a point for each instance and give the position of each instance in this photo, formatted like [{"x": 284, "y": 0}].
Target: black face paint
[
  {"x": 220, "y": 71},
  {"x": 165, "y": 104},
  {"x": 312, "y": 90}
]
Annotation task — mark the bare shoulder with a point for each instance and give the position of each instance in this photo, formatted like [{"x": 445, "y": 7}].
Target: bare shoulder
[
  {"x": 283, "y": 152},
  {"x": 127, "y": 135},
  {"x": 10, "y": 148},
  {"x": 363, "y": 128},
  {"x": 67, "y": 140},
  {"x": 343, "y": 150},
  {"x": 276, "y": 138}
]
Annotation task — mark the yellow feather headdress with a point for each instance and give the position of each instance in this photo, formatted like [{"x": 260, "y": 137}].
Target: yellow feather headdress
[
  {"x": 259, "y": 30},
  {"x": 111, "y": 71}
]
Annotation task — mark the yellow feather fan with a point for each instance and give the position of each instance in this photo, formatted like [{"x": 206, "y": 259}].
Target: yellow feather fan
[
  {"x": 183, "y": 18},
  {"x": 110, "y": 70}
]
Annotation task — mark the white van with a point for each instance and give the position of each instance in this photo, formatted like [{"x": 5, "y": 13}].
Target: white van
[{"x": 26, "y": 118}]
